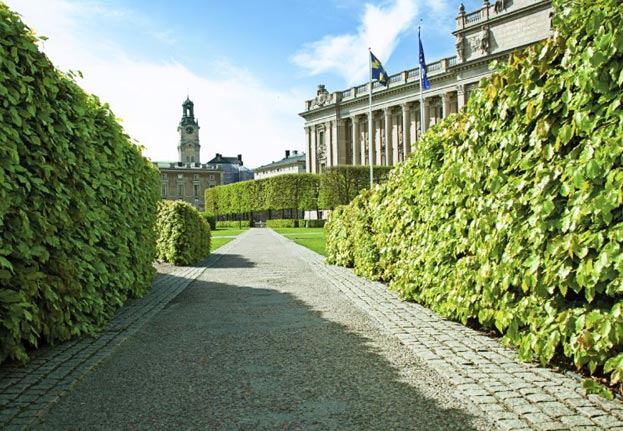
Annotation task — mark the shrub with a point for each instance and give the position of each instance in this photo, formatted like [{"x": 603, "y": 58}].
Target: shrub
[
  {"x": 279, "y": 223},
  {"x": 77, "y": 203},
  {"x": 511, "y": 213},
  {"x": 236, "y": 224},
  {"x": 210, "y": 219},
  {"x": 183, "y": 234}
]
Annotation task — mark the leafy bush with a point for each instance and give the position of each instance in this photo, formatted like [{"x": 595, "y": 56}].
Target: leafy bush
[
  {"x": 183, "y": 234},
  {"x": 210, "y": 219},
  {"x": 312, "y": 223},
  {"x": 277, "y": 223},
  {"x": 511, "y": 212},
  {"x": 77, "y": 203}
]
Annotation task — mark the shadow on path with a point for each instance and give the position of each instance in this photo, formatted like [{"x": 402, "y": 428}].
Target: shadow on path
[{"x": 226, "y": 357}]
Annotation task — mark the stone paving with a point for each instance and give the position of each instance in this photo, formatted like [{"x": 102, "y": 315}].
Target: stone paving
[
  {"x": 512, "y": 395},
  {"x": 27, "y": 392}
]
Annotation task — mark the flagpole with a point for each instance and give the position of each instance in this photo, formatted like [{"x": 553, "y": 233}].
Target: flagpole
[
  {"x": 421, "y": 95},
  {"x": 370, "y": 119}
]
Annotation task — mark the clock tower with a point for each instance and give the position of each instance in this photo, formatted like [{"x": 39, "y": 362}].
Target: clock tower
[{"x": 188, "y": 147}]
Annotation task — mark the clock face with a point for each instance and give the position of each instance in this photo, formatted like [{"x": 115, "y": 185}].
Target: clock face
[{"x": 189, "y": 130}]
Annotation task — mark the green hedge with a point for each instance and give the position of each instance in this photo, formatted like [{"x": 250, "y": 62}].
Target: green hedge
[
  {"x": 278, "y": 223},
  {"x": 337, "y": 186},
  {"x": 236, "y": 224},
  {"x": 77, "y": 203},
  {"x": 340, "y": 184},
  {"x": 312, "y": 223},
  {"x": 183, "y": 234},
  {"x": 292, "y": 191},
  {"x": 511, "y": 213},
  {"x": 210, "y": 219}
]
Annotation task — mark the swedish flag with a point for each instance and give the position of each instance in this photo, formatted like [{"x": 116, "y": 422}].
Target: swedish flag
[{"x": 378, "y": 72}]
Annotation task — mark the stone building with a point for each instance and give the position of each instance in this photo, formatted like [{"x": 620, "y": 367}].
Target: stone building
[
  {"x": 233, "y": 168},
  {"x": 187, "y": 179},
  {"x": 336, "y": 124},
  {"x": 292, "y": 163}
]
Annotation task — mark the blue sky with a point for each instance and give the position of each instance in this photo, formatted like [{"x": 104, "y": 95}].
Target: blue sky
[{"x": 247, "y": 64}]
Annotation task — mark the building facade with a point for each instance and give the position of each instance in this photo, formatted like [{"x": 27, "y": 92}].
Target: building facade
[
  {"x": 232, "y": 167},
  {"x": 336, "y": 124},
  {"x": 292, "y": 163},
  {"x": 187, "y": 179}
]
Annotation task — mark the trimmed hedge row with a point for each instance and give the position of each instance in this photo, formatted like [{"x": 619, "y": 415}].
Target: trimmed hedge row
[
  {"x": 238, "y": 224},
  {"x": 340, "y": 184},
  {"x": 511, "y": 213},
  {"x": 77, "y": 203},
  {"x": 278, "y": 223},
  {"x": 183, "y": 234},
  {"x": 292, "y": 191}
]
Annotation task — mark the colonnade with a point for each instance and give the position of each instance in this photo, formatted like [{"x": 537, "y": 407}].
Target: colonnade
[{"x": 395, "y": 129}]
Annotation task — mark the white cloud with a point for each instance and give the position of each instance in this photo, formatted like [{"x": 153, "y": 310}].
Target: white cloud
[
  {"x": 346, "y": 54},
  {"x": 237, "y": 114}
]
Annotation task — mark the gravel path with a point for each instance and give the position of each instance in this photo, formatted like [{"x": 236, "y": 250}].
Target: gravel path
[{"x": 262, "y": 341}]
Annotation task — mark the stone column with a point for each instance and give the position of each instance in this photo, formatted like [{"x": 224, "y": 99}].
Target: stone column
[
  {"x": 355, "y": 140},
  {"x": 387, "y": 135},
  {"x": 314, "y": 150},
  {"x": 396, "y": 138},
  {"x": 406, "y": 130},
  {"x": 426, "y": 108},
  {"x": 445, "y": 108},
  {"x": 378, "y": 141},
  {"x": 339, "y": 142},
  {"x": 363, "y": 132},
  {"x": 308, "y": 151},
  {"x": 460, "y": 94}
]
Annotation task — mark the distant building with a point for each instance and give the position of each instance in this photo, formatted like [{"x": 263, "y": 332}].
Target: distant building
[
  {"x": 336, "y": 124},
  {"x": 187, "y": 179},
  {"x": 292, "y": 163},
  {"x": 233, "y": 168}
]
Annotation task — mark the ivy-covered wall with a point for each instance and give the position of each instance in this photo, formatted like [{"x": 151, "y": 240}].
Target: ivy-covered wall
[
  {"x": 511, "y": 212},
  {"x": 77, "y": 202}
]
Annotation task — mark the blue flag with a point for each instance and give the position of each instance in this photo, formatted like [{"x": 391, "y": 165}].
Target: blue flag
[
  {"x": 378, "y": 72},
  {"x": 423, "y": 64}
]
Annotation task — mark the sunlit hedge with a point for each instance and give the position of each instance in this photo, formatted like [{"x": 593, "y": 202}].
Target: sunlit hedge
[
  {"x": 511, "y": 213},
  {"x": 77, "y": 203}
]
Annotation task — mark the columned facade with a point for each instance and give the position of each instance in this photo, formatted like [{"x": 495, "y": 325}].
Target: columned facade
[{"x": 336, "y": 124}]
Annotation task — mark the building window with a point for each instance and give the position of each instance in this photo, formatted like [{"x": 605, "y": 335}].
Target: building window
[
  {"x": 164, "y": 190},
  {"x": 212, "y": 177},
  {"x": 196, "y": 190},
  {"x": 196, "y": 177},
  {"x": 180, "y": 190}
]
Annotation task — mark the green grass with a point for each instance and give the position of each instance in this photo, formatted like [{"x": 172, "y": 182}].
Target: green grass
[
  {"x": 312, "y": 238},
  {"x": 220, "y": 237}
]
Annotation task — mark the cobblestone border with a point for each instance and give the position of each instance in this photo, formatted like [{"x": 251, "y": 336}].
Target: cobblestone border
[
  {"x": 28, "y": 391},
  {"x": 516, "y": 396}
]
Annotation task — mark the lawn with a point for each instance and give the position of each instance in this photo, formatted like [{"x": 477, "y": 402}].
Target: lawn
[
  {"x": 220, "y": 237},
  {"x": 312, "y": 238}
]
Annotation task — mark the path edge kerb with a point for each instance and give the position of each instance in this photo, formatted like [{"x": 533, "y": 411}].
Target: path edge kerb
[{"x": 512, "y": 394}]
